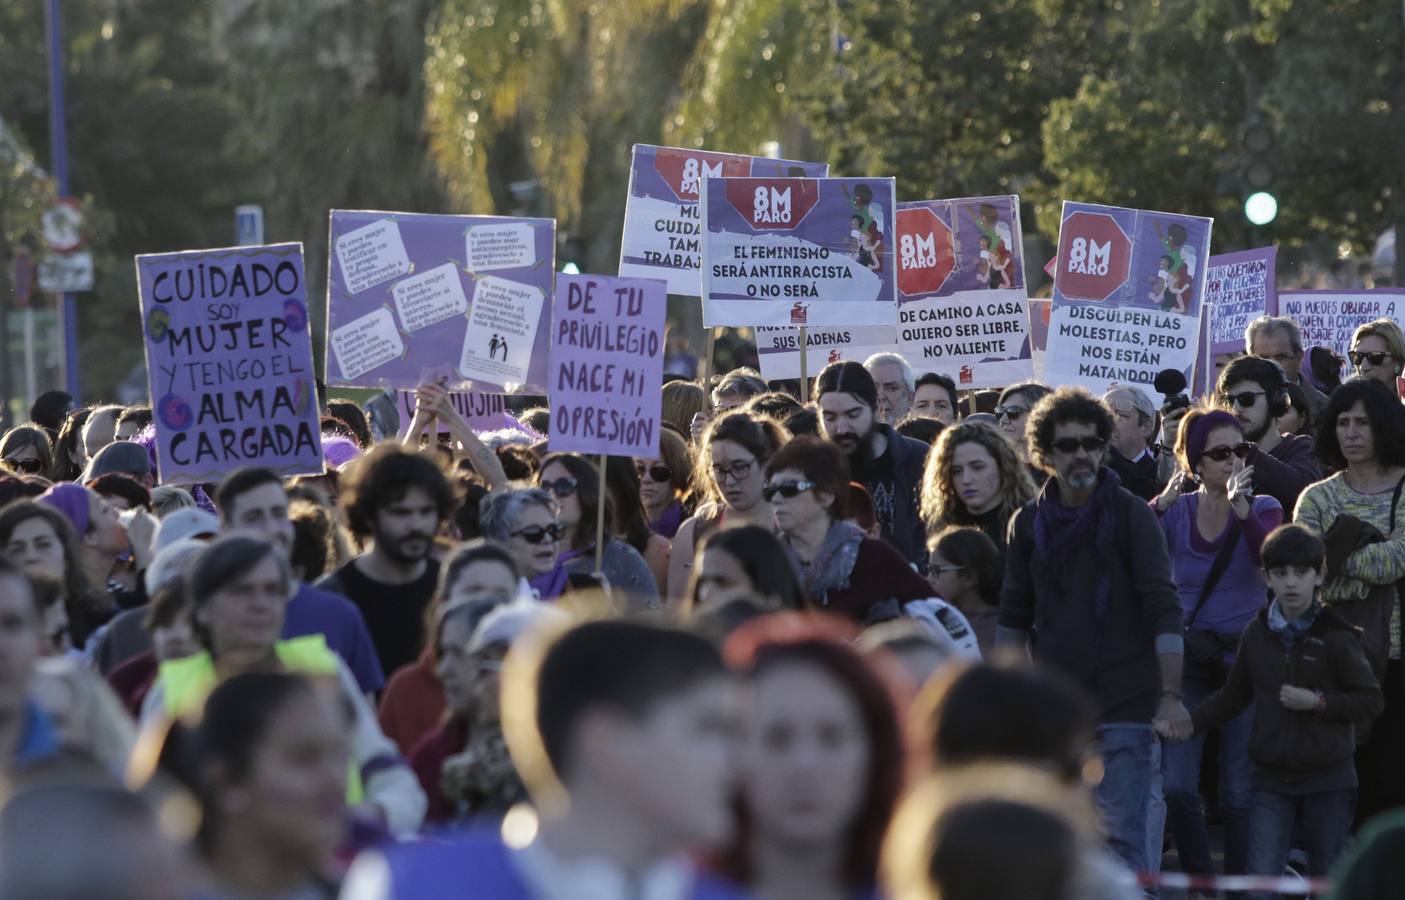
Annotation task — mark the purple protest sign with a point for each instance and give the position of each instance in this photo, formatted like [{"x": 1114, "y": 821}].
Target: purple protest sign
[
  {"x": 798, "y": 251},
  {"x": 482, "y": 412},
  {"x": 1239, "y": 287},
  {"x": 229, "y": 362},
  {"x": 963, "y": 304},
  {"x": 606, "y": 384},
  {"x": 662, "y": 223},
  {"x": 1128, "y": 287},
  {"x": 457, "y": 299}
]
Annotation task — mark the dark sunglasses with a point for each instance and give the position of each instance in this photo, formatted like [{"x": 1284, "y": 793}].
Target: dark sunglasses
[
  {"x": 1375, "y": 358},
  {"x": 1220, "y": 454},
  {"x": 786, "y": 489},
  {"x": 561, "y": 487},
  {"x": 1067, "y": 446},
  {"x": 27, "y": 466},
  {"x": 660, "y": 473},
  {"x": 535, "y": 534},
  {"x": 938, "y": 571},
  {"x": 1013, "y": 413},
  {"x": 1244, "y": 399}
]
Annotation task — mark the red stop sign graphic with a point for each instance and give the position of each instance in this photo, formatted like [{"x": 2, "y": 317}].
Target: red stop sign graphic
[
  {"x": 1095, "y": 256},
  {"x": 926, "y": 257},
  {"x": 684, "y": 170},
  {"x": 773, "y": 204}
]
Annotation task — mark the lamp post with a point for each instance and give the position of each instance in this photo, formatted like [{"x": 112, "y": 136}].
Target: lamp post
[{"x": 58, "y": 153}]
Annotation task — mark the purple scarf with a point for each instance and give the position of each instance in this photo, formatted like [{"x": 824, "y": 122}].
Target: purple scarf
[
  {"x": 669, "y": 521},
  {"x": 1060, "y": 533},
  {"x": 551, "y": 585}
]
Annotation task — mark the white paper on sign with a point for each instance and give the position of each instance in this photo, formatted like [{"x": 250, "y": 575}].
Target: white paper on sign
[
  {"x": 509, "y": 246},
  {"x": 502, "y": 327},
  {"x": 430, "y": 297},
  {"x": 372, "y": 254},
  {"x": 365, "y": 343}
]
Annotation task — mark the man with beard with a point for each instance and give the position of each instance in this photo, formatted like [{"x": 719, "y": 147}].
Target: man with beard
[
  {"x": 397, "y": 500},
  {"x": 887, "y": 464},
  {"x": 1088, "y": 586},
  {"x": 1253, "y": 389},
  {"x": 254, "y": 500},
  {"x": 893, "y": 376}
]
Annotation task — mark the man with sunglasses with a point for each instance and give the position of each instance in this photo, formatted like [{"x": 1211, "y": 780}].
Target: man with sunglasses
[
  {"x": 1253, "y": 390},
  {"x": 1280, "y": 340},
  {"x": 886, "y": 463},
  {"x": 1088, "y": 586}
]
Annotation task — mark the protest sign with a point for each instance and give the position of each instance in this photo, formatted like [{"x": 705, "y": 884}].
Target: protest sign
[
  {"x": 482, "y": 412},
  {"x": 798, "y": 251},
  {"x": 1329, "y": 318},
  {"x": 963, "y": 304},
  {"x": 606, "y": 384},
  {"x": 1128, "y": 287},
  {"x": 662, "y": 222},
  {"x": 229, "y": 362},
  {"x": 1239, "y": 287},
  {"x": 455, "y": 299},
  {"x": 778, "y": 349}
]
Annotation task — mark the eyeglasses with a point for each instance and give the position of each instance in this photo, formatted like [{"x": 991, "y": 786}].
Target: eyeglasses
[
  {"x": 1013, "y": 413},
  {"x": 1375, "y": 358},
  {"x": 939, "y": 571},
  {"x": 787, "y": 489},
  {"x": 1244, "y": 399},
  {"x": 737, "y": 470},
  {"x": 661, "y": 474},
  {"x": 1220, "y": 454},
  {"x": 1068, "y": 446},
  {"x": 535, "y": 534},
  {"x": 27, "y": 466},
  {"x": 562, "y": 487}
]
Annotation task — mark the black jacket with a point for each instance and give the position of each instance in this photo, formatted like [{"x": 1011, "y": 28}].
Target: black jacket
[
  {"x": 908, "y": 457},
  {"x": 1114, "y": 657},
  {"x": 1292, "y": 744},
  {"x": 1284, "y": 471},
  {"x": 1142, "y": 477}
]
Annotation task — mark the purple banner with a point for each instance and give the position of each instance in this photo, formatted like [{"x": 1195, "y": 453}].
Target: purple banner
[
  {"x": 799, "y": 251},
  {"x": 457, "y": 299},
  {"x": 662, "y": 223},
  {"x": 482, "y": 412},
  {"x": 1239, "y": 287},
  {"x": 607, "y": 346},
  {"x": 964, "y": 308},
  {"x": 229, "y": 362},
  {"x": 1128, "y": 287}
]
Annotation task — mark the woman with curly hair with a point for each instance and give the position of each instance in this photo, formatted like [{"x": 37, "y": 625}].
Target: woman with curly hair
[{"x": 974, "y": 478}]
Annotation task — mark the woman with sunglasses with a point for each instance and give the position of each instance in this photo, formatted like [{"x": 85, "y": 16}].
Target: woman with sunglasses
[
  {"x": 1214, "y": 527},
  {"x": 524, "y": 522},
  {"x": 25, "y": 450},
  {"x": 627, "y": 520},
  {"x": 575, "y": 483},
  {"x": 1012, "y": 415},
  {"x": 1378, "y": 352},
  {"x": 665, "y": 484},
  {"x": 734, "y": 451},
  {"x": 844, "y": 571},
  {"x": 974, "y": 478}
]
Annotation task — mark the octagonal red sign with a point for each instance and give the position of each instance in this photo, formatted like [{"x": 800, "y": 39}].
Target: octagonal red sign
[
  {"x": 1095, "y": 256},
  {"x": 926, "y": 255},
  {"x": 773, "y": 204},
  {"x": 684, "y": 170}
]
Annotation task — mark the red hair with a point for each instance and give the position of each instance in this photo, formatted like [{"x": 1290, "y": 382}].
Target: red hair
[{"x": 826, "y": 642}]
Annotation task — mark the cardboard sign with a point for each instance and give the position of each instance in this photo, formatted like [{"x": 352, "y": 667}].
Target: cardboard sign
[
  {"x": 799, "y": 251},
  {"x": 778, "y": 349},
  {"x": 963, "y": 303},
  {"x": 1128, "y": 287},
  {"x": 1330, "y": 318},
  {"x": 229, "y": 362},
  {"x": 606, "y": 385},
  {"x": 456, "y": 299},
  {"x": 662, "y": 222},
  {"x": 1239, "y": 287},
  {"x": 482, "y": 412}
]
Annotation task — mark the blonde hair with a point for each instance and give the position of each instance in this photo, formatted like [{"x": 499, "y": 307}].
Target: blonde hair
[
  {"x": 940, "y": 506},
  {"x": 1388, "y": 331},
  {"x": 681, "y": 401}
]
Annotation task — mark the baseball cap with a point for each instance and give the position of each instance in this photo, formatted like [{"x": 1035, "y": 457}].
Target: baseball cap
[
  {"x": 120, "y": 457},
  {"x": 190, "y": 522}
]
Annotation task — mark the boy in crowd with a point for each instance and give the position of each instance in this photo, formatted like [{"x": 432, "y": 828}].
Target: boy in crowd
[
  {"x": 620, "y": 731},
  {"x": 1302, "y": 666}
]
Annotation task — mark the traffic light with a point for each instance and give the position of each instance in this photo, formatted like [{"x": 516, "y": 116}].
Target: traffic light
[{"x": 1261, "y": 206}]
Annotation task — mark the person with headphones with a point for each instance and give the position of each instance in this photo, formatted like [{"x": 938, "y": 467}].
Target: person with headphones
[{"x": 1254, "y": 390}]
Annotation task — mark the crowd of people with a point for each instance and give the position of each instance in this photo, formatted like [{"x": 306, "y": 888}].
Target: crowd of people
[{"x": 891, "y": 640}]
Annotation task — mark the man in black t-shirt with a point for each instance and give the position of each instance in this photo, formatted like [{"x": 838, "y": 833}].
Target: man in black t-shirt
[{"x": 398, "y": 500}]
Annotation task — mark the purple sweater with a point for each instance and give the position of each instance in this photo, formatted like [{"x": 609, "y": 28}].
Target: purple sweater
[{"x": 1241, "y": 591}]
